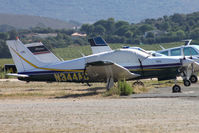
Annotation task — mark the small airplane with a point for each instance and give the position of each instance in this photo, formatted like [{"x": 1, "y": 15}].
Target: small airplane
[
  {"x": 185, "y": 51},
  {"x": 109, "y": 67}
]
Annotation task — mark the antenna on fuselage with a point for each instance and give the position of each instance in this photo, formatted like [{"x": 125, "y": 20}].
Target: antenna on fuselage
[
  {"x": 187, "y": 42},
  {"x": 161, "y": 47}
]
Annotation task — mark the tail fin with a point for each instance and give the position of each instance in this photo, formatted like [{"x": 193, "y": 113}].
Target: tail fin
[
  {"x": 22, "y": 57},
  {"x": 98, "y": 45},
  {"x": 42, "y": 53}
]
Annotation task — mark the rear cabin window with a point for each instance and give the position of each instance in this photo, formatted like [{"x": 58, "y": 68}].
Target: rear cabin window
[
  {"x": 176, "y": 52},
  {"x": 165, "y": 53},
  {"x": 188, "y": 51}
]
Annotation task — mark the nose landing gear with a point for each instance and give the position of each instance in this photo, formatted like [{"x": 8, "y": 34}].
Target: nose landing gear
[
  {"x": 193, "y": 78},
  {"x": 176, "y": 89}
]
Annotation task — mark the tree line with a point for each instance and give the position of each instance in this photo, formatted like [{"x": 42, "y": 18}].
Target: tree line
[{"x": 162, "y": 30}]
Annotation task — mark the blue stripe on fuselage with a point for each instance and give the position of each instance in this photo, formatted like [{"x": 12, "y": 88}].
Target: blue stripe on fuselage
[{"x": 154, "y": 66}]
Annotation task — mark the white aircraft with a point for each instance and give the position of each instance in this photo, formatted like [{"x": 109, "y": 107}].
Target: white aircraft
[
  {"x": 186, "y": 51},
  {"x": 111, "y": 66}
]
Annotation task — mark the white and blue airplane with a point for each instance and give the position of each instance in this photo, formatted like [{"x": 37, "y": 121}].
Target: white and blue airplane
[
  {"x": 109, "y": 67},
  {"x": 185, "y": 51}
]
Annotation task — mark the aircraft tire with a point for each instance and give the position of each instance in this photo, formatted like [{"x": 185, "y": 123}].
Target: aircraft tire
[
  {"x": 187, "y": 82},
  {"x": 193, "y": 79},
  {"x": 176, "y": 89}
]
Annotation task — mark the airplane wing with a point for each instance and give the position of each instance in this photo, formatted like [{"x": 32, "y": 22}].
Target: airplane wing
[{"x": 102, "y": 70}]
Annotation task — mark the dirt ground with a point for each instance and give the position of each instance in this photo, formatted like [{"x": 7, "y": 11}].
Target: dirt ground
[{"x": 85, "y": 110}]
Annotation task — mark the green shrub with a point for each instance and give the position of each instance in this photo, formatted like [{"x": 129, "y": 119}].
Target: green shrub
[
  {"x": 125, "y": 88},
  {"x": 122, "y": 89}
]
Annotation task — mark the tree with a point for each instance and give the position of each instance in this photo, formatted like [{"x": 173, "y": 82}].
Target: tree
[
  {"x": 163, "y": 26},
  {"x": 178, "y": 18},
  {"x": 88, "y": 29},
  {"x": 121, "y": 23},
  {"x": 107, "y": 24},
  {"x": 150, "y": 35},
  {"x": 195, "y": 33},
  {"x": 180, "y": 34},
  {"x": 4, "y": 36},
  {"x": 99, "y": 30},
  {"x": 128, "y": 34},
  {"x": 13, "y": 34},
  {"x": 145, "y": 28},
  {"x": 122, "y": 30}
]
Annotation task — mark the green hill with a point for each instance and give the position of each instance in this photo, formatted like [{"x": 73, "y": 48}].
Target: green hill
[
  {"x": 85, "y": 11},
  {"x": 10, "y": 21}
]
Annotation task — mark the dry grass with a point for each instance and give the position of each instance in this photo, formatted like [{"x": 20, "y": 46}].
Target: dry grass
[
  {"x": 12, "y": 88},
  {"x": 19, "y": 89}
]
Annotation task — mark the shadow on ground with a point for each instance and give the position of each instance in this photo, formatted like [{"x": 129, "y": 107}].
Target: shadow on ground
[{"x": 91, "y": 92}]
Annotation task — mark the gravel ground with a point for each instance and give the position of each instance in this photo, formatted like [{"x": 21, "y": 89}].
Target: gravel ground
[{"x": 151, "y": 115}]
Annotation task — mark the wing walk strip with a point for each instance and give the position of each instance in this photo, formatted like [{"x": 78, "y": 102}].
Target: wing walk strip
[{"x": 51, "y": 69}]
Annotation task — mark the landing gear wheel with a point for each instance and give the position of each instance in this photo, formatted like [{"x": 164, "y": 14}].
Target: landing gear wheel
[
  {"x": 193, "y": 78},
  {"x": 137, "y": 83},
  {"x": 187, "y": 82},
  {"x": 176, "y": 89}
]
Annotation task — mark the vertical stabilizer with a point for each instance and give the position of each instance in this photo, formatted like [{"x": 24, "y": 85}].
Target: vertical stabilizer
[
  {"x": 98, "y": 45},
  {"x": 22, "y": 57}
]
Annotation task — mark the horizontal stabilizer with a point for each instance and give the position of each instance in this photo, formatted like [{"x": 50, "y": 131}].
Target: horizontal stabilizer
[{"x": 17, "y": 75}]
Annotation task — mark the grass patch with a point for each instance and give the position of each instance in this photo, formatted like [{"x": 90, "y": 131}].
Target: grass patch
[{"x": 123, "y": 89}]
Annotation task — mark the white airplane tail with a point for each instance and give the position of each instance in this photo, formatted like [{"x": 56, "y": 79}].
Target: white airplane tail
[
  {"x": 22, "y": 57},
  {"x": 98, "y": 45}
]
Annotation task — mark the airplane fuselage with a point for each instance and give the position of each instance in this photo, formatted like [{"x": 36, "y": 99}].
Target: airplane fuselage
[{"x": 75, "y": 71}]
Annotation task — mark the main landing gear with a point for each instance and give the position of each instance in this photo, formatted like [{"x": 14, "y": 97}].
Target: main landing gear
[
  {"x": 176, "y": 89},
  {"x": 186, "y": 82}
]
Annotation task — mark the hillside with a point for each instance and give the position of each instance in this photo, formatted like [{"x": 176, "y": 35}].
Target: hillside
[
  {"x": 27, "y": 21},
  {"x": 85, "y": 11}
]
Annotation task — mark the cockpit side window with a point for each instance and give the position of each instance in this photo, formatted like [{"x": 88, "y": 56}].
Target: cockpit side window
[
  {"x": 176, "y": 52},
  {"x": 165, "y": 53},
  {"x": 188, "y": 51}
]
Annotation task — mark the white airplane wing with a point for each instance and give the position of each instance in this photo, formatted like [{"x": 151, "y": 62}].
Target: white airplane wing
[{"x": 102, "y": 70}]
